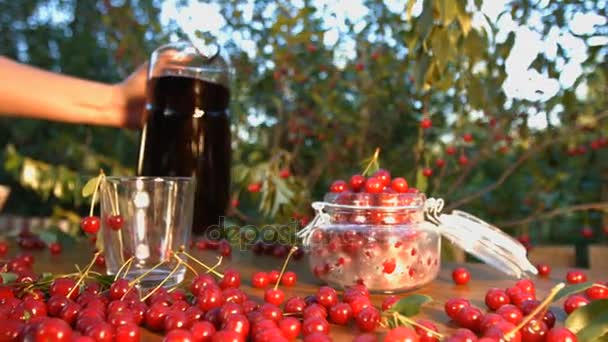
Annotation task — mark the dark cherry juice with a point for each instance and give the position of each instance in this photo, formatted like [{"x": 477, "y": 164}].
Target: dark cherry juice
[{"x": 188, "y": 134}]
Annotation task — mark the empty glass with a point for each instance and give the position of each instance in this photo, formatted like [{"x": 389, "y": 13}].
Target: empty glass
[{"x": 156, "y": 214}]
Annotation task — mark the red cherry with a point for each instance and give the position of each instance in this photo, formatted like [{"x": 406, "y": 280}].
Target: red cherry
[
  {"x": 359, "y": 66},
  {"x": 55, "y": 248},
  {"x": 3, "y": 248},
  {"x": 357, "y": 182},
  {"x": 454, "y": 305},
  {"x": 273, "y": 276},
  {"x": 327, "y": 296},
  {"x": 561, "y": 335},
  {"x": 498, "y": 331},
  {"x": 427, "y": 172},
  {"x": 231, "y": 279},
  {"x": 271, "y": 311},
  {"x": 384, "y": 176},
  {"x": 440, "y": 163},
  {"x": 340, "y": 313},
  {"x": 495, "y": 298},
  {"x": 284, "y": 173},
  {"x": 320, "y": 337},
  {"x": 469, "y": 317},
  {"x": 225, "y": 248},
  {"x": 202, "y": 330},
  {"x": 368, "y": 319},
  {"x": 576, "y": 277},
  {"x": 388, "y": 266},
  {"x": 313, "y": 325},
  {"x": 543, "y": 270},
  {"x": 399, "y": 184},
  {"x": 426, "y": 123},
  {"x": 209, "y": 298},
  {"x": 463, "y": 160},
  {"x": 574, "y": 302},
  {"x": 359, "y": 303},
  {"x": 587, "y": 232},
  {"x": 373, "y": 185},
  {"x": 596, "y": 292},
  {"x": 338, "y": 186},
  {"x": 237, "y": 323},
  {"x": 400, "y": 334},
  {"x": 259, "y": 280},
  {"x": 274, "y": 296},
  {"x": 179, "y": 335},
  {"x": 450, "y": 150},
  {"x": 289, "y": 279},
  {"x": 461, "y": 275},
  {"x": 489, "y": 320},
  {"x": 254, "y": 187},
  {"x": 49, "y": 329},
  {"x": 314, "y": 310},
  {"x": 510, "y": 313},
  {"x": 467, "y": 137},
  {"x": 424, "y": 335},
  {"x": 389, "y": 302},
  {"x": 63, "y": 286},
  {"x": 526, "y": 285},
  {"x": 115, "y": 222},
  {"x": 290, "y": 327},
  {"x": 534, "y": 331},
  {"x": 234, "y": 202},
  {"x": 90, "y": 224},
  {"x": 295, "y": 305}
]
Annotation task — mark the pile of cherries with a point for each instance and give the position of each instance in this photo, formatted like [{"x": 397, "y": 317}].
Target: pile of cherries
[{"x": 508, "y": 308}]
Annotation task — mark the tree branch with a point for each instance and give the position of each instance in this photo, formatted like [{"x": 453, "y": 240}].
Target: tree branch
[
  {"x": 505, "y": 175},
  {"x": 555, "y": 212}
]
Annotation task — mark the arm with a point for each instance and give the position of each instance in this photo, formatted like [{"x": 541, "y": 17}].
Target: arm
[{"x": 34, "y": 93}]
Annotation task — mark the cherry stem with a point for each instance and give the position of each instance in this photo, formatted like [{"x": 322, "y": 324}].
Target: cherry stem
[
  {"x": 405, "y": 319},
  {"x": 143, "y": 275},
  {"x": 126, "y": 265},
  {"x": 186, "y": 264},
  {"x": 372, "y": 161},
  {"x": 209, "y": 269},
  {"x": 291, "y": 251},
  {"x": 84, "y": 274},
  {"x": 538, "y": 309},
  {"x": 217, "y": 264},
  {"x": 179, "y": 263},
  {"x": 99, "y": 179}
]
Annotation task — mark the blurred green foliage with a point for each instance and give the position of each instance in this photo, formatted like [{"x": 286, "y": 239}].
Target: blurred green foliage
[{"x": 298, "y": 105}]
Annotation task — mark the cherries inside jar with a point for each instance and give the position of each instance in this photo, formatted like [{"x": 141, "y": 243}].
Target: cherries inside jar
[{"x": 375, "y": 239}]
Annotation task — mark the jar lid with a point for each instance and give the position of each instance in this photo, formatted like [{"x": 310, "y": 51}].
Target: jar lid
[{"x": 480, "y": 239}]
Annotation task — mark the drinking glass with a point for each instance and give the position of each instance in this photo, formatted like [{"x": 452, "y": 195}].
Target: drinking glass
[{"x": 156, "y": 214}]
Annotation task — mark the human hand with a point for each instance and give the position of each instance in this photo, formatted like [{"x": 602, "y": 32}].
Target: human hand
[{"x": 131, "y": 98}]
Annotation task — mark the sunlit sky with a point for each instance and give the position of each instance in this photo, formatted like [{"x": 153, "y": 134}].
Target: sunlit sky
[{"x": 522, "y": 82}]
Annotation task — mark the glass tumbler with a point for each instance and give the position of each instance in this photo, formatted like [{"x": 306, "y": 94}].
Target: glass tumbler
[{"x": 156, "y": 215}]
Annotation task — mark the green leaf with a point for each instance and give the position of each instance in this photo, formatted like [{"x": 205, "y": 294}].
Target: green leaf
[
  {"x": 410, "y": 305},
  {"x": 421, "y": 70},
  {"x": 572, "y": 289},
  {"x": 478, "y": 3},
  {"x": 421, "y": 181},
  {"x": 8, "y": 277},
  {"x": 590, "y": 321},
  {"x": 464, "y": 18},
  {"x": 89, "y": 187},
  {"x": 48, "y": 237},
  {"x": 449, "y": 11},
  {"x": 442, "y": 48},
  {"x": 425, "y": 22}
]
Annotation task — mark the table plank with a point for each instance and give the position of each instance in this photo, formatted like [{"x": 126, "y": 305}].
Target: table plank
[{"x": 483, "y": 277}]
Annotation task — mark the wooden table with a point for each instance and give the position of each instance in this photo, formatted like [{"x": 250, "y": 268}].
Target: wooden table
[{"x": 483, "y": 278}]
